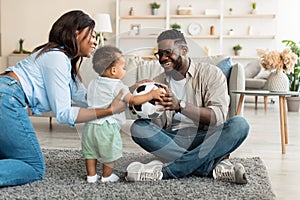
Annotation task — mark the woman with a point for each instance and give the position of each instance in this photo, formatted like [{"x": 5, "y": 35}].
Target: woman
[{"x": 46, "y": 80}]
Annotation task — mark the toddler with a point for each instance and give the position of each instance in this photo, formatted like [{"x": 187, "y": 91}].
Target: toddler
[{"x": 101, "y": 138}]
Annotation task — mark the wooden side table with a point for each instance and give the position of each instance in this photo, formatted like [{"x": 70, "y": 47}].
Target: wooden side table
[{"x": 282, "y": 107}]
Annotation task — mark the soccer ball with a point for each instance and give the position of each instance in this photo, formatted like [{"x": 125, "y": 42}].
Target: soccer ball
[{"x": 147, "y": 110}]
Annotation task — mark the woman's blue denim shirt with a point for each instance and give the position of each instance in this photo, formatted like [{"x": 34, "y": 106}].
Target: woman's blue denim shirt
[{"x": 48, "y": 86}]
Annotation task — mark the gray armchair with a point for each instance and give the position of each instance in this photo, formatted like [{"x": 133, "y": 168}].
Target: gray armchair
[{"x": 256, "y": 79}]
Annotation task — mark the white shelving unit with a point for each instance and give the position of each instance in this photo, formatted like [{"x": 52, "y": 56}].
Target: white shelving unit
[
  {"x": 259, "y": 16},
  {"x": 263, "y": 25}
]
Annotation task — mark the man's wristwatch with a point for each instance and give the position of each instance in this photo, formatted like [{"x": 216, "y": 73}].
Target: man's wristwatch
[{"x": 182, "y": 106}]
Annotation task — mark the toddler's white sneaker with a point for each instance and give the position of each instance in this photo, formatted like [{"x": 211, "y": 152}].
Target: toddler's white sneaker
[
  {"x": 111, "y": 178},
  {"x": 92, "y": 179}
]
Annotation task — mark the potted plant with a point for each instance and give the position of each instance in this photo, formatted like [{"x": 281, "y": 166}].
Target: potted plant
[
  {"x": 154, "y": 8},
  {"x": 175, "y": 26},
  {"x": 230, "y": 11},
  {"x": 253, "y": 11},
  {"x": 231, "y": 32},
  {"x": 237, "y": 49},
  {"x": 294, "y": 77}
]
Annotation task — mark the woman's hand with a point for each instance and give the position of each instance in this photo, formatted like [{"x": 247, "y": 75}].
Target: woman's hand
[
  {"x": 117, "y": 105},
  {"x": 88, "y": 114}
]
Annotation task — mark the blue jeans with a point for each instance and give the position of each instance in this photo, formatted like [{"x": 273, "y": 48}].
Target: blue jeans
[
  {"x": 189, "y": 151},
  {"x": 21, "y": 158}
]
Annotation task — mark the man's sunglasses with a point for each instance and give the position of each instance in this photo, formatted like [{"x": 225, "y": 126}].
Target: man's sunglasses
[{"x": 166, "y": 52}]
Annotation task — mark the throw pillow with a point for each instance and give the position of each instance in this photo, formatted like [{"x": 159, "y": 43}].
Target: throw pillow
[
  {"x": 263, "y": 74},
  {"x": 252, "y": 69},
  {"x": 225, "y": 65}
]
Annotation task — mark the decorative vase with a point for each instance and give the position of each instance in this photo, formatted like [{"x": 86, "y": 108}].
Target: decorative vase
[{"x": 278, "y": 82}]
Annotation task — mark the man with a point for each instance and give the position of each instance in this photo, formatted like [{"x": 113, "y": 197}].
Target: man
[{"x": 193, "y": 136}]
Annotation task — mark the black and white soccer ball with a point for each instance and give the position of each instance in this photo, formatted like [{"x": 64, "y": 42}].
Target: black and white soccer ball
[{"x": 147, "y": 110}]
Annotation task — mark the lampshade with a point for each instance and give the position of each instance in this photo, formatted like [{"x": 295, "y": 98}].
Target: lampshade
[{"x": 103, "y": 23}]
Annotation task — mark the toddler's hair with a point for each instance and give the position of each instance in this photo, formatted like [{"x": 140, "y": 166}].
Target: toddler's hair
[{"x": 105, "y": 57}]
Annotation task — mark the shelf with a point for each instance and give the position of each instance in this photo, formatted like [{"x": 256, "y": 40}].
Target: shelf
[
  {"x": 155, "y": 36},
  {"x": 249, "y": 36},
  {"x": 244, "y": 57},
  {"x": 268, "y": 16},
  {"x": 144, "y": 17},
  {"x": 149, "y": 57},
  {"x": 138, "y": 36},
  {"x": 203, "y": 36},
  {"x": 195, "y": 16}
]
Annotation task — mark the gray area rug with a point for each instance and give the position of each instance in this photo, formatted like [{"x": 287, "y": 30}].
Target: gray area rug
[{"x": 65, "y": 179}]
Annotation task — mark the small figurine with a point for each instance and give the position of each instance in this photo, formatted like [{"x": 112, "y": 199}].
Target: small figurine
[
  {"x": 131, "y": 11},
  {"x": 21, "y": 50},
  {"x": 21, "y": 45},
  {"x": 212, "y": 30}
]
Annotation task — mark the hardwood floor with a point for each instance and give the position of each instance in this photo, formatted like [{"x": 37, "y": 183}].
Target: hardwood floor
[{"x": 264, "y": 141}]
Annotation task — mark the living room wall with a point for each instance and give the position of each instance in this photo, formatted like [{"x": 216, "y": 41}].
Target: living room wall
[{"x": 32, "y": 19}]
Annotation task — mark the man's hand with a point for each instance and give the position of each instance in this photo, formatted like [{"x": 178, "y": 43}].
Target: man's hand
[{"x": 170, "y": 102}]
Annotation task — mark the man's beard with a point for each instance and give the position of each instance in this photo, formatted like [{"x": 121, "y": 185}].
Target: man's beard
[
  {"x": 177, "y": 66},
  {"x": 178, "y": 63}
]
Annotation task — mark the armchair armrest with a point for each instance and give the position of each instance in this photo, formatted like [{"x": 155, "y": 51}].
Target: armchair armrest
[{"x": 236, "y": 82}]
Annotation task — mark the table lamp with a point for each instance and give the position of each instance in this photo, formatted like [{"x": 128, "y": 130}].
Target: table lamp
[{"x": 103, "y": 24}]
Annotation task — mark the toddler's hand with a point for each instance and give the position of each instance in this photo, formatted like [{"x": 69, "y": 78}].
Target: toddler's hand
[{"x": 158, "y": 94}]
